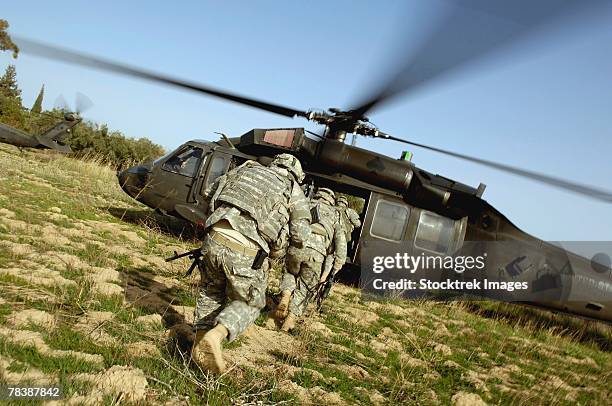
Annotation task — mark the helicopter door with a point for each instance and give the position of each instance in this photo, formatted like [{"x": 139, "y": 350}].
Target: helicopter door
[
  {"x": 213, "y": 165},
  {"x": 387, "y": 218},
  {"x": 174, "y": 179}
]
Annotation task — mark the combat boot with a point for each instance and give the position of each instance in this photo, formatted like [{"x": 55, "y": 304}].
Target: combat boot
[
  {"x": 289, "y": 323},
  {"x": 283, "y": 307},
  {"x": 206, "y": 351}
]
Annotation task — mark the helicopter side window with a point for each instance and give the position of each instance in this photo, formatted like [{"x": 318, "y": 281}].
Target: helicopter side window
[
  {"x": 434, "y": 233},
  {"x": 390, "y": 220},
  {"x": 217, "y": 168},
  {"x": 185, "y": 162}
]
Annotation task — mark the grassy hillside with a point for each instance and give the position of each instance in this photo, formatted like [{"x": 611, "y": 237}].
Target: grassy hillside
[{"x": 86, "y": 300}]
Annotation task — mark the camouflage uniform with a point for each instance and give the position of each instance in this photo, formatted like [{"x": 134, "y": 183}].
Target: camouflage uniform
[
  {"x": 350, "y": 218},
  {"x": 258, "y": 202},
  {"x": 304, "y": 265}
]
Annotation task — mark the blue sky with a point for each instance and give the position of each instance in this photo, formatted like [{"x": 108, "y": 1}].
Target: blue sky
[{"x": 548, "y": 109}]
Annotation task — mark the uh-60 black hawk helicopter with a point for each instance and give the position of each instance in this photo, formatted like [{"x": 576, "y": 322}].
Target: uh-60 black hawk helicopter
[
  {"x": 404, "y": 205},
  {"x": 53, "y": 138},
  {"x": 50, "y": 139}
]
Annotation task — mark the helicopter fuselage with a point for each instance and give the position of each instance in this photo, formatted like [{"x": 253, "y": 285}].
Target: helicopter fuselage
[{"x": 403, "y": 204}]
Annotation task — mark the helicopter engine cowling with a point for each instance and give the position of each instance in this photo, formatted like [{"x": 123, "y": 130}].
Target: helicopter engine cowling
[
  {"x": 415, "y": 185},
  {"x": 369, "y": 166}
]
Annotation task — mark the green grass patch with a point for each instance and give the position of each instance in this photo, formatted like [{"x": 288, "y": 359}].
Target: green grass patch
[
  {"x": 29, "y": 355},
  {"x": 5, "y": 310}
]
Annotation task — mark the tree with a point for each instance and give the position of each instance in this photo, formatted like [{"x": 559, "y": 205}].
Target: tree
[
  {"x": 8, "y": 84},
  {"x": 6, "y": 43},
  {"x": 37, "y": 107},
  {"x": 10, "y": 100}
]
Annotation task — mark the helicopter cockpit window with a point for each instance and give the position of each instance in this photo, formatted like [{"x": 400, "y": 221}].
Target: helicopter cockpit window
[
  {"x": 390, "y": 220},
  {"x": 185, "y": 162},
  {"x": 161, "y": 158},
  {"x": 435, "y": 233}
]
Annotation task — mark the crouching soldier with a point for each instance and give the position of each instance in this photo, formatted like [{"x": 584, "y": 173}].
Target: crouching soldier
[
  {"x": 304, "y": 265},
  {"x": 249, "y": 207}
]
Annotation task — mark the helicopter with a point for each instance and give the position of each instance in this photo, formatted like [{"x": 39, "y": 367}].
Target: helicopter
[
  {"x": 404, "y": 205},
  {"x": 53, "y": 138},
  {"x": 50, "y": 139}
]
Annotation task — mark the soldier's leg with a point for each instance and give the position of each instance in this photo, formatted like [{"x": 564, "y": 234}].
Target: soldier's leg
[
  {"x": 212, "y": 288},
  {"x": 287, "y": 285},
  {"x": 307, "y": 283},
  {"x": 206, "y": 351},
  {"x": 246, "y": 293}
]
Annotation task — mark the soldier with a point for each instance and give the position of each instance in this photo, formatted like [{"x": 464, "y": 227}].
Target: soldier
[
  {"x": 249, "y": 207},
  {"x": 304, "y": 266},
  {"x": 350, "y": 218}
]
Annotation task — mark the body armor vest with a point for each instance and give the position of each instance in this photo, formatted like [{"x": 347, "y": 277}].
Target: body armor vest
[
  {"x": 327, "y": 221},
  {"x": 262, "y": 193}
]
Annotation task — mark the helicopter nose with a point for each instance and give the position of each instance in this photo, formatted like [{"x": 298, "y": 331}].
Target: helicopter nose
[{"x": 133, "y": 180}]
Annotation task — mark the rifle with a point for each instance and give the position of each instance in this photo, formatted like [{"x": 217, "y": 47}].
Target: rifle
[
  {"x": 195, "y": 255},
  {"x": 325, "y": 286},
  {"x": 324, "y": 290}
]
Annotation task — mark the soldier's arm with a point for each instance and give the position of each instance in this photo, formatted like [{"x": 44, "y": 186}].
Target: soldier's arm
[
  {"x": 279, "y": 247},
  {"x": 212, "y": 190},
  {"x": 299, "y": 217},
  {"x": 340, "y": 249},
  {"x": 353, "y": 217}
]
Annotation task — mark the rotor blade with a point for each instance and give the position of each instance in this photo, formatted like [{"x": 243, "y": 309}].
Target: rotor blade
[
  {"x": 82, "y": 102},
  {"x": 590, "y": 191},
  {"x": 61, "y": 103},
  {"x": 471, "y": 31},
  {"x": 77, "y": 58}
]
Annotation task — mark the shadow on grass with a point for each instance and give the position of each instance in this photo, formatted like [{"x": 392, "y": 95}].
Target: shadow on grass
[
  {"x": 581, "y": 330},
  {"x": 148, "y": 218},
  {"x": 151, "y": 296}
]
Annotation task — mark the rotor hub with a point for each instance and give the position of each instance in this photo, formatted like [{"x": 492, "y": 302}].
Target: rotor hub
[{"x": 340, "y": 122}]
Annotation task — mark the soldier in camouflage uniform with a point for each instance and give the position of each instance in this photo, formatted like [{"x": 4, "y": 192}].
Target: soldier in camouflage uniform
[
  {"x": 305, "y": 265},
  {"x": 350, "y": 218},
  {"x": 249, "y": 207}
]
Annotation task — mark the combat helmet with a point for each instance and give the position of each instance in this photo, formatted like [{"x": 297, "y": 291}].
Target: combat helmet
[
  {"x": 342, "y": 201},
  {"x": 290, "y": 163},
  {"x": 326, "y": 194}
]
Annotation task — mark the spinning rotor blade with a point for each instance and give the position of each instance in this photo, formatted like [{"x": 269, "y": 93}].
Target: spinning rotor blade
[
  {"x": 590, "y": 191},
  {"x": 61, "y": 103},
  {"x": 471, "y": 31},
  {"x": 82, "y": 102},
  {"x": 77, "y": 58}
]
